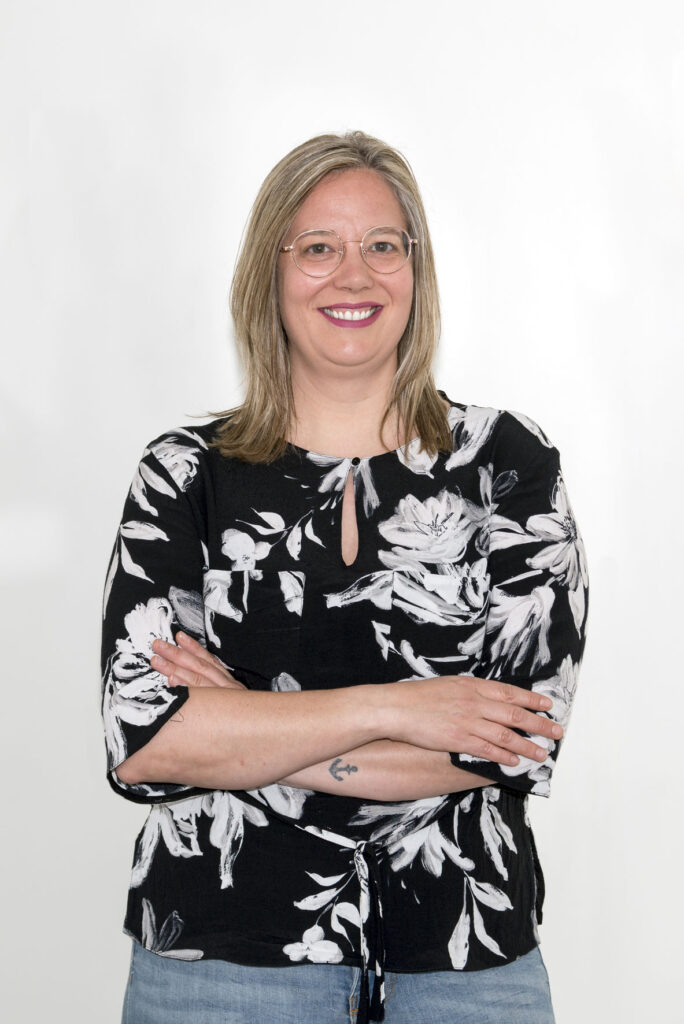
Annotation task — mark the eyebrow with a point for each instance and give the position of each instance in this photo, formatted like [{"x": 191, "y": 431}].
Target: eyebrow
[{"x": 373, "y": 227}]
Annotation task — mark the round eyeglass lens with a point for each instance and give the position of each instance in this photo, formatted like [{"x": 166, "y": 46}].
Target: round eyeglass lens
[
  {"x": 317, "y": 252},
  {"x": 386, "y": 249}
]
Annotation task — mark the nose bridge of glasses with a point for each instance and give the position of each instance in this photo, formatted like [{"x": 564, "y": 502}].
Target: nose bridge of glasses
[
  {"x": 350, "y": 245},
  {"x": 352, "y": 260}
]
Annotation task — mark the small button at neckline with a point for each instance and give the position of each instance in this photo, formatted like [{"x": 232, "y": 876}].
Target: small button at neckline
[{"x": 355, "y": 461}]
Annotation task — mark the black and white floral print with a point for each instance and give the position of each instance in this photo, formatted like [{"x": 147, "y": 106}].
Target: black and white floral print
[
  {"x": 163, "y": 941},
  {"x": 470, "y": 562}
]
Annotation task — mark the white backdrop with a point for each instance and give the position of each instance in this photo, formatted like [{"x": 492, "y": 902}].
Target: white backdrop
[{"x": 548, "y": 140}]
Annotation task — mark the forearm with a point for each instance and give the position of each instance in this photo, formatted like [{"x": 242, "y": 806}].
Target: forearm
[
  {"x": 227, "y": 738},
  {"x": 242, "y": 739},
  {"x": 386, "y": 770}
]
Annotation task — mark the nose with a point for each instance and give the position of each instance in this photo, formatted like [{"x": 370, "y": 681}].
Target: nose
[{"x": 353, "y": 272}]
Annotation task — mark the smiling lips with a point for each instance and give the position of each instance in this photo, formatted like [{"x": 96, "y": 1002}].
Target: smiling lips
[{"x": 350, "y": 315}]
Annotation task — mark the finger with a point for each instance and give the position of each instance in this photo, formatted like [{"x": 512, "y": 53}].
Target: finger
[
  {"x": 477, "y": 746},
  {"x": 172, "y": 650},
  {"x": 516, "y": 717},
  {"x": 501, "y": 738},
  {"x": 178, "y": 675},
  {"x": 188, "y": 643},
  {"x": 508, "y": 693},
  {"x": 187, "y": 673},
  {"x": 181, "y": 658}
]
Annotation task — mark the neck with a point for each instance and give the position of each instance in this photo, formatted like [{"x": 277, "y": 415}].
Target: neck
[{"x": 342, "y": 417}]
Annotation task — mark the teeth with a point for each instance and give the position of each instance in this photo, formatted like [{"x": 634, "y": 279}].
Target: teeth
[{"x": 351, "y": 314}]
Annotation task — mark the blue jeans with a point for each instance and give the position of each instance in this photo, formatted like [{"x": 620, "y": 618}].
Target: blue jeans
[{"x": 161, "y": 990}]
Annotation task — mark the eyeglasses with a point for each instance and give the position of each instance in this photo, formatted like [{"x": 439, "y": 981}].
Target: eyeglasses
[{"x": 320, "y": 252}]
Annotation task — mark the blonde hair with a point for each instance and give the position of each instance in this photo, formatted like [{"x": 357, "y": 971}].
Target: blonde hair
[{"x": 256, "y": 430}]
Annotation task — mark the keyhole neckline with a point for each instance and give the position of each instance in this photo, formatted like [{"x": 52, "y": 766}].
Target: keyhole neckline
[{"x": 349, "y": 500}]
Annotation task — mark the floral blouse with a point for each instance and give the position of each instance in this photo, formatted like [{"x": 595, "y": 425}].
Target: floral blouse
[{"x": 469, "y": 563}]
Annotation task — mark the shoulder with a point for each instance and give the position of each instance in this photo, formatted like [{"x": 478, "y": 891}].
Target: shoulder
[
  {"x": 182, "y": 450},
  {"x": 520, "y": 439},
  {"x": 488, "y": 434}
]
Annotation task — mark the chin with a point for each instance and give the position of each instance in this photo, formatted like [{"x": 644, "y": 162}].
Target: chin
[
  {"x": 356, "y": 356},
  {"x": 350, "y": 349}
]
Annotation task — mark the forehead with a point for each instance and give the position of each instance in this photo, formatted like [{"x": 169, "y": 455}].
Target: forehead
[{"x": 350, "y": 202}]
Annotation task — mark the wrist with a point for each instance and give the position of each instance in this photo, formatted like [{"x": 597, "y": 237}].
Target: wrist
[{"x": 386, "y": 707}]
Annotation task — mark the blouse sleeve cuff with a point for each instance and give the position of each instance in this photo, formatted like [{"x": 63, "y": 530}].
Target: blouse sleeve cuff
[
  {"x": 525, "y": 777},
  {"x": 136, "y": 737}
]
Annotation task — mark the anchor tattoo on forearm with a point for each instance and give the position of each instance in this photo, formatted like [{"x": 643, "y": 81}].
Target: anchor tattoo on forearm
[{"x": 337, "y": 767}]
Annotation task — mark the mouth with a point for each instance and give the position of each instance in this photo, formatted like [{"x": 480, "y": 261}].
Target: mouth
[{"x": 351, "y": 316}]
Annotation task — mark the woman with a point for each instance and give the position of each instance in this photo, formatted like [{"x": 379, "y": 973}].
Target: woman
[{"x": 342, "y": 629}]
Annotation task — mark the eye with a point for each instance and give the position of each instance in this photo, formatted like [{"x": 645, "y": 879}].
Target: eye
[
  {"x": 383, "y": 248},
  {"x": 317, "y": 249}
]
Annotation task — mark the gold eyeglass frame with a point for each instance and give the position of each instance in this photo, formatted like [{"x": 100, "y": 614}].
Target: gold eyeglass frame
[{"x": 341, "y": 251}]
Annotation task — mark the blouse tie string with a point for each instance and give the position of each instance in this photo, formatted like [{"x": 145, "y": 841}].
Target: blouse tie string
[
  {"x": 370, "y": 917},
  {"x": 370, "y": 910}
]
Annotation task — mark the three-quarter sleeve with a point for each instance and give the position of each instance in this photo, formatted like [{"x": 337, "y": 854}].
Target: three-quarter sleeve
[
  {"x": 534, "y": 631},
  {"x": 153, "y": 588}
]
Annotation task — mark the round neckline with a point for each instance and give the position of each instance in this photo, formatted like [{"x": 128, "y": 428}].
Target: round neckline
[
  {"x": 347, "y": 458},
  {"x": 362, "y": 458}
]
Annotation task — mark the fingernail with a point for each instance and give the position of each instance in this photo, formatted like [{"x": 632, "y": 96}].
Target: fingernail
[
  {"x": 547, "y": 704},
  {"x": 541, "y": 753},
  {"x": 513, "y": 759},
  {"x": 181, "y": 636},
  {"x": 557, "y": 731}
]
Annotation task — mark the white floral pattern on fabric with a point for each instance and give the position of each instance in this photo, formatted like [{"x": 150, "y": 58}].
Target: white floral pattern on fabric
[
  {"x": 179, "y": 460},
  {"x": 458, "y": 595},
  {"x": 476, "y": 424},
  {"x": 518, "y": 628},
  {"x": 564, "y": 555},
  {"x": 226, "y": 593},
  {"x": 314, "y": 947},
  {"x": 177, "y": 825},
  {"x": 427, "y": 532},
  {"x": 162, "y": 941}
]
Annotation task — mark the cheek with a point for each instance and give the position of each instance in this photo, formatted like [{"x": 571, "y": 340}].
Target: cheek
[
  {"x": 295, "y": 305},
  {"x": 403, "y": 295},
  {"x": 294, "y": 290},
  {"x": 287, "y": 302}
]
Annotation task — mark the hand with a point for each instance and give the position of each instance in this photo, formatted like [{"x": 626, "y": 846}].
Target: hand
[
  {"x": 190, "y": 664},
  {"x": 468, "y": 715}
]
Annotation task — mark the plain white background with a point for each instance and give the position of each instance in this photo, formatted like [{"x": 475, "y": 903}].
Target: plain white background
[{"x": 548, "y": 140}]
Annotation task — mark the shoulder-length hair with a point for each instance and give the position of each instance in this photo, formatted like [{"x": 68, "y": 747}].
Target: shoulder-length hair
[{"x": 256, "y": 430}]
